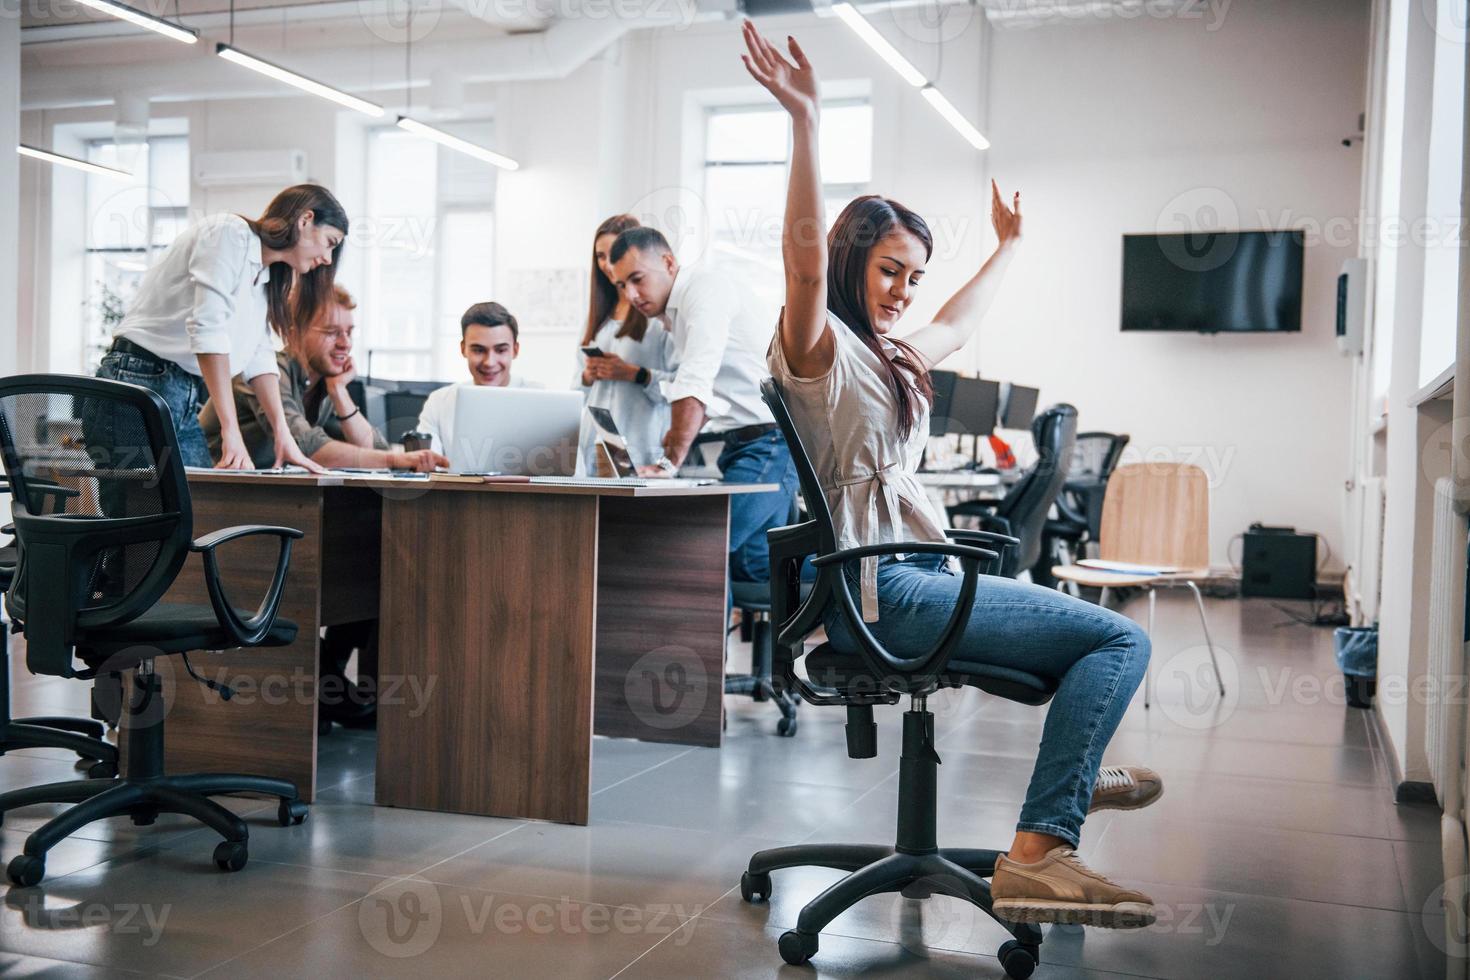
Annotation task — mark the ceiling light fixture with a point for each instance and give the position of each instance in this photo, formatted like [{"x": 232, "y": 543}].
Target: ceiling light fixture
[
  {"x": 47, "y": 156},
  {"x": 316, "y": 88},
  {"x": 906, "y": 70},
  {"x": 455, "y": 143},
  {"x": 132, "y": 15}
]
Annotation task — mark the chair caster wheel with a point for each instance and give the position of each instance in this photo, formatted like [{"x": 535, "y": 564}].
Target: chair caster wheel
[
  {"x": 26, "y": 870},
  {"x": 231, "y": 855},
  {"x": 144, "y": 818},
  {"x": 786, "y": 727},
  {"x": 796, "y": 948},
  {"x": 1017, "y": 959},
  {"x": 755, "y": 887},
  {"x": 291, "y": 813},
  {"x": 102, "y": 770}
]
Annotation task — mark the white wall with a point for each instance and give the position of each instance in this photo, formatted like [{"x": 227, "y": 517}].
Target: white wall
[{"x": 1159, "y": 125}]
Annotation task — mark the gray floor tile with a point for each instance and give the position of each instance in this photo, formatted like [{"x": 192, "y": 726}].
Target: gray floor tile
[
  {"x": 415, "y": 928},
  {"x": 607, "y": 863},
  {"x": 16, "y": 967}
]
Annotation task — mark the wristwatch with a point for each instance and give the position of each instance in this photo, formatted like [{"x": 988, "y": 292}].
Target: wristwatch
[{"x": 643, "y": 376}]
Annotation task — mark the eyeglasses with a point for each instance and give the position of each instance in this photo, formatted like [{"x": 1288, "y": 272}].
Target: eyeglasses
[{"x": 336, "y": 333}]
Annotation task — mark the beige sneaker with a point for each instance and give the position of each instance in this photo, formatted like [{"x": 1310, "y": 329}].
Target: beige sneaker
[
  {"x": 1125, "y": 788},
  {"x": 1060, "y": 888}
]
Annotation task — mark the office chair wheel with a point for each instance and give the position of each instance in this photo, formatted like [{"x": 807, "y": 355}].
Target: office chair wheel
[
  {"x": 26, "y": 870},
  {"x": 102, "y": 770},
  {"x": 797, "y": 948},
  {"x": 755, "y": 887},
  {"x": 1018, "y": 959},
  {"x": 786, "y": 727},
  {"x": 144, "y": 816},
  {"x": 231, "y": 855},
  {"x": 290, "y": 813}
]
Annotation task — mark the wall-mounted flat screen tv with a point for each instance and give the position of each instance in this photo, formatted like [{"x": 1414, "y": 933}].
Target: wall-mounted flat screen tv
[{"x": 1213, "y": 282}]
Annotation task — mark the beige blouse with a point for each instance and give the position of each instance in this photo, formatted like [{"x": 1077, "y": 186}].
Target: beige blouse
[{"x": 848, "y": 422}]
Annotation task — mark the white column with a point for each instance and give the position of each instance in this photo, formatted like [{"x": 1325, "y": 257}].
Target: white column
[{"x": 9, "y": 183}]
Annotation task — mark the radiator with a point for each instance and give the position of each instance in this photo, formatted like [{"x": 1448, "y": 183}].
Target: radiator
[
  {"x": 1365, "y": 578},
  {"x": 1443, "y": 731}
]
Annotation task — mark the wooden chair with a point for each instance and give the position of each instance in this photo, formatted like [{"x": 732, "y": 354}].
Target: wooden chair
[{"x": 1154, "y": 514}]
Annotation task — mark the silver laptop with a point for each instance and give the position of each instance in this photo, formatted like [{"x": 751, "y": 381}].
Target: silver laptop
[{"x": 515, "y": 431}]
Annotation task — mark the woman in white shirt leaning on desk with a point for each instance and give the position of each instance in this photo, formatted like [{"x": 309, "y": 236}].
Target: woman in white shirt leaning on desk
[
  {"x": 206, "y": 311},
  {"x": 636, "y": 353}
]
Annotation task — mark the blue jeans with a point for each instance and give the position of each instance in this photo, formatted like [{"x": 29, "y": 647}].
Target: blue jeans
[
  {"x": 762, "y": 460},
  {"x": 181, "y": 391},
  {"x": 1097, "y": 655}
]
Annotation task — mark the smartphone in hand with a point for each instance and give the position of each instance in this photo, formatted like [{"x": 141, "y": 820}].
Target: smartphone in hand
[{"x": 592, "y": 350}]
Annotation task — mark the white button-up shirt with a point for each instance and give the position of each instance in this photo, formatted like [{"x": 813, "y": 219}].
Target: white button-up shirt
[
  {"x": 206, "y": 295},
  {"x": 848, "y": 422},
  {"x": 719, "y": 345}
]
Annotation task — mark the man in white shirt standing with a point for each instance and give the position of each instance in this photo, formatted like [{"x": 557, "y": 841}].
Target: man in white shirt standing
[
  {"x": 719, "y": 360},
  {"x": 490, "y": 340}
]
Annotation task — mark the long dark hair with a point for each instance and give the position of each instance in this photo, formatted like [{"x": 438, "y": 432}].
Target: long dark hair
[
  {"x": 293, "y": 302},
  {"x": 604, "y": 297},
  {"x": 863, "y": 224}
]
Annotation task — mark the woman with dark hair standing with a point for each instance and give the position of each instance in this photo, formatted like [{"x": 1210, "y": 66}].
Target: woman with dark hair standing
[
  {"x": 635, "y": 359},
  {"x": 860, "y": 399},
  {"x": 207, "y": 308}
]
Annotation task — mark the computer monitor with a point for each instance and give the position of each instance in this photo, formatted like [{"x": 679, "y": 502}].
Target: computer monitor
[
  {"x": 516, "y": 431},
  {"x": 962, "y": 406},
  {"x": 1018, "y": 406},
  {"x": 974, "y": 407}
]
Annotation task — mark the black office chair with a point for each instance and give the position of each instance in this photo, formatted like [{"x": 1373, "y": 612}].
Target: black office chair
[
  {"x": 1078, "y": 521},
  {"x": 753, "y": 599},
  {"x": 915, "y": 865},
  {"x": 1027, "y": 504},
  {"x": 87, "y": 588},
  {"x": 80, "y": 735}
]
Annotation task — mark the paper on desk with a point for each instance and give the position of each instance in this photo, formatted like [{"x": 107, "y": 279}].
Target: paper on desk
[{"x": 1127, "y": 566}]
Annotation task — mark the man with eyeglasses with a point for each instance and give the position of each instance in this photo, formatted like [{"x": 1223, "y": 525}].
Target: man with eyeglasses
[{"x": 324, "y": 420}]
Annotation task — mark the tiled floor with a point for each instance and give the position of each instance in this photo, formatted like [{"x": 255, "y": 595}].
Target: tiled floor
[{"x": 1277, "y": 851}]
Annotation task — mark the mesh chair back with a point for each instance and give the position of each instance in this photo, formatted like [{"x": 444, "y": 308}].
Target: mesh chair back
[
  {"x": 1027, "y": 504},
  {"x": 811, "y": 487},
  {"x": 82, "y": 453},
  {"x": 1096, "y": 455}
]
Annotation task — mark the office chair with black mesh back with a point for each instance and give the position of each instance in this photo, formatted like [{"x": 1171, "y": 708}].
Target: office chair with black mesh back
[
  {"x": 1028, "y": 502},
  {"x": 80, "y": 735},
  {"x": 87, "y": 587},
  {"x": 1078, "y": 522},
  {"x": 868, "y": 676}
]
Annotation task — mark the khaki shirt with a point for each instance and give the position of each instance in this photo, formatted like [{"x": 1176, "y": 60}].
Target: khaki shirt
[{"x": 312, "y": 420}]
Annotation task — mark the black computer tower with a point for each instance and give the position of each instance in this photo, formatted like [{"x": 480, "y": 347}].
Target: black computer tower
[{"x": 1279, "y": 563}]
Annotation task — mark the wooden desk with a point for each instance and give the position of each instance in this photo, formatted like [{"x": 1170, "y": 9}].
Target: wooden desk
[{"x": 516, "y": 620}]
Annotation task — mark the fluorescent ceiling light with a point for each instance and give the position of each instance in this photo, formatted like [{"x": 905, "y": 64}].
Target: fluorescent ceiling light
[
  {"x": 455, "y": 143},
  {"x": 952, "y": 115},
  {"x": 300, "y": 81},
  {"x": 73, "y": 162},
  {"x": 878, "y": 43},
  {"x": 134, "y": 16}
]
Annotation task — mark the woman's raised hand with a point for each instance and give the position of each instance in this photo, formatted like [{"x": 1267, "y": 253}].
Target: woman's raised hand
[
  {"x": 1006, "y": 220},
  {"x": 793, "y": 84}
]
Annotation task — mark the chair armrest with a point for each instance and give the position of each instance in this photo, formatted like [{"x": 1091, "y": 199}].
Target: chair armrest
[
  {"x": 905, "y": 548},
  {"x": 214, "y": 539},
  {"x": 988, "y": 537},
  {"x": 246, "y": 632}
]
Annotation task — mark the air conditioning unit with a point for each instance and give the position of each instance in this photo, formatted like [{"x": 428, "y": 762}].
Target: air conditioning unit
[{"x": 243, "y": 168}]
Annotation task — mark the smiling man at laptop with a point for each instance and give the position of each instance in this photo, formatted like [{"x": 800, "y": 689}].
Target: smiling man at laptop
[
  {"x": 490, "y": 340},
  {"x": 718, "y": 362},
  {"x": 324, "y": 420}
]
